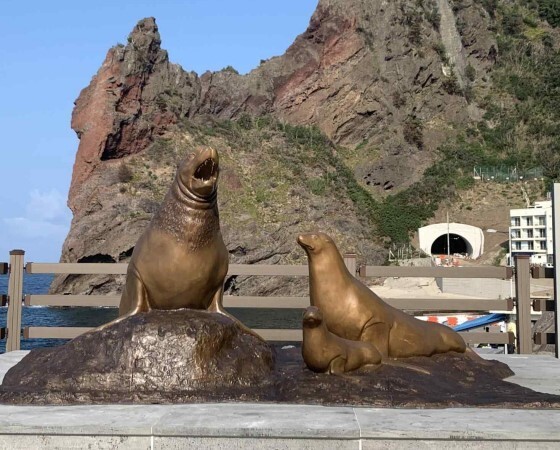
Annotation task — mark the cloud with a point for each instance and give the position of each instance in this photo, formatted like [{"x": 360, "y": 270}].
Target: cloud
[
  {"x": 46, "y": 216},
  {"x": 33, "y": 228},
  {"x": 46, "y": 205}
]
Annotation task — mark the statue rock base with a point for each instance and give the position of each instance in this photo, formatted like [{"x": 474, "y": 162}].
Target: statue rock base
[
  {"x": 149, "y": 355},
  {"x": 190, "y": 356}
]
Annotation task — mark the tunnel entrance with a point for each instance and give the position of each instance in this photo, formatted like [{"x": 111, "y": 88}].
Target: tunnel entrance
[{"x": 457, "y": 244}]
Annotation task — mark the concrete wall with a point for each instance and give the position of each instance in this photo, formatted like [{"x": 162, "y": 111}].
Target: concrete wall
[{"x": 477, "y": 287}]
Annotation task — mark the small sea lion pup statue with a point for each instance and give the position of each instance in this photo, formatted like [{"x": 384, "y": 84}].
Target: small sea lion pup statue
[
  {"x": 353, "y": 312},
  {"x": 181, "y": 261},
  {"x": 323, "y": 351}
]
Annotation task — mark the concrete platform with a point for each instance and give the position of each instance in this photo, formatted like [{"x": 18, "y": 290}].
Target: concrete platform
[{"x": 264, "y": 426}]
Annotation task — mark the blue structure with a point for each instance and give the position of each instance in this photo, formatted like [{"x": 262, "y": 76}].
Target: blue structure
[{"x": 481, "y": 322}]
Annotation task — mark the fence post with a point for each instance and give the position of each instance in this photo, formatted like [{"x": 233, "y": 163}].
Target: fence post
[
  {"x": 350, "y": 263},
  {"x": 556, "y": 247},
  {"x": 523, "y": 304},
  {"x": 15, "y": 297}
]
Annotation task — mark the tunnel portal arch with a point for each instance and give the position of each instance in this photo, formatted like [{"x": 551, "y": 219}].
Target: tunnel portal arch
[
  {"x": 457, "y": 244},
  {"x": 464, "y": 239}
]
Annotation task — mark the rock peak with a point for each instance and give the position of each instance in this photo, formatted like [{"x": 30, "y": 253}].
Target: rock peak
[
  {"x": 145, "y": 41},
  {"x": 145, "y": 30}
]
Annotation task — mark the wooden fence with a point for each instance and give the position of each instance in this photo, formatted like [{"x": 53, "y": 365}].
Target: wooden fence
[{"x": 522, "y": 302}]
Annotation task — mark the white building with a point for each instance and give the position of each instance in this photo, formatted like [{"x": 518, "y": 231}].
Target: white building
[
  {"x": 451, "y": 238},
  {"x": 530, "y": 233}
]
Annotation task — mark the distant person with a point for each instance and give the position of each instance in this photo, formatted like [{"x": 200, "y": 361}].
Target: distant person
[{"x": 511, "y": 328}]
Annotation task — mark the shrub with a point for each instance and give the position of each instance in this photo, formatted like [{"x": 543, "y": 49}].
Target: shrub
[
  {"x": 414, "y": 131},
  {"x": 451, "y": 85},
  {"x": 230, "y": 69},
  {"x": 413, "y": 20},
  {"x": 124, "y": 173},
  {"x": 470, "y": 73},
  {"x": 245, "y": 121},
  {"x": 415, "y": 31},
  {"x": 440, "y": 50},
  {"x": 490, "y": 6},
  {"x": 549, "y": 10},
  {"x": 318, "y": 186},
  {"x": 547, "y": 40},
  {"x": 398, "y": 99},
  {"x": 468, "y": 93},
  {"x": 512, "y": 22},
  {"x": 434, "y": 18}
]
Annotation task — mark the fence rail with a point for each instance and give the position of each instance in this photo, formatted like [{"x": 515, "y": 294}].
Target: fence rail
[
  {"x": 437, "y": 272},
  {"x": 234, "y": 301},
  {"x": 270, "y": 334},
  {"x": 412, "y": 305}
]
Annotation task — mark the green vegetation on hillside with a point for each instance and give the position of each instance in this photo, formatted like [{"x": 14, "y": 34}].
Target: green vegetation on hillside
[{"x": 521, "y": 127}]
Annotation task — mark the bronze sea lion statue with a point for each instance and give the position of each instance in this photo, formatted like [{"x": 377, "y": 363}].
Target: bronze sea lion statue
[
  {"x": 352, "y": 311},
  {"x": 323, "y": 351},
  {"x": 181, "y": 261}
]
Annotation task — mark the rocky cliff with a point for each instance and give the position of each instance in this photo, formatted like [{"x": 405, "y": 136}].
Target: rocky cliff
[{"x": 384, "y": 82}]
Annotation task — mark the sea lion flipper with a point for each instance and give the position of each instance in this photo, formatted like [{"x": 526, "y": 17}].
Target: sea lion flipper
[
  {"x": 134, "y": 297},
  {"x": 118, "y": 319},
  {"x": 376, "y": 333},
  {"x": 337, "y": 365},
  {"x": 394, "y": 362},
  {"x": 217, "y": 306}
]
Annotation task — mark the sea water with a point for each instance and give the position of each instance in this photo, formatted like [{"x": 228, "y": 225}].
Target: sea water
[{"x": 39, "y": 316}]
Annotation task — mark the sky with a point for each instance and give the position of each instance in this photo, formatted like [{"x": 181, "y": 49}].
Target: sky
[{"x": 50, "y": 51}]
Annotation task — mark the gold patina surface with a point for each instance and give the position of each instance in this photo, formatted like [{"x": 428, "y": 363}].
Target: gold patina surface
[
  {"x": 353, "y": 312},
  {"x": 181, "y": 261}
]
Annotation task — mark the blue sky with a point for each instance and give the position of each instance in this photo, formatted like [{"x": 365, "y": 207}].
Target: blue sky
[{"x": 49, "y": 52}]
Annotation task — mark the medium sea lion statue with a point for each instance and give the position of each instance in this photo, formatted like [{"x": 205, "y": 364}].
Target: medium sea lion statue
[
  {"x": 323, "y": 351},
  {"x": 181, "y": 261},
  {"x": 352, "y": 311}
]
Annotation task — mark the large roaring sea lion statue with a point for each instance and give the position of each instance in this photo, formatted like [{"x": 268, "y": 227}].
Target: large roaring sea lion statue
[
  {"x": 181, "y": 261},
  {"x": 353, "y": 312}
]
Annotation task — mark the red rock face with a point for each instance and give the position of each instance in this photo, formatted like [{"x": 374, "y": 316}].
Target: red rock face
[
  {"x": 118, "y": 113},
  {"x": 357, "y": 72},
  {"x": 342, "y": 74},
  {"x": 92, "y": 120}
]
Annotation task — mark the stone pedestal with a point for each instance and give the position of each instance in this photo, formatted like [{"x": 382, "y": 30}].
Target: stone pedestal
[{"x": 154, "y": 356}]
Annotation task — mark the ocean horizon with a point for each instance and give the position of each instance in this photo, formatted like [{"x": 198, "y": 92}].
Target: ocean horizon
[{"x": 82, "y": 316}]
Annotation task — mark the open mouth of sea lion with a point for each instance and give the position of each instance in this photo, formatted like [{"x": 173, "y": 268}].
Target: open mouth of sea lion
[
  {"x": 206, "y": 170},
  {"x": 198, "y": 174}
]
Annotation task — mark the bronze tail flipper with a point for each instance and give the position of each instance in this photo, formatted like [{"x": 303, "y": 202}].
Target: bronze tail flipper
[
  {"x": 134, "y": 298},
  {"x": 217, "y": 306}
]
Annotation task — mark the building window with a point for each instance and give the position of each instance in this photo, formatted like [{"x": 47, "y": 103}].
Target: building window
[
  {"x": 542, "y": 220},
  {"x": 542, "y": 233},
  {"x": 529, "y": 233},
  {"x": 516, "y": 234},
  {"x": 517, "y": 245},
  {"x": 515, "y": 221},
  {"x": 543, "y": 245},
  {"x": 529, "y": 221},
  {"x": 530, "y": 245}
]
